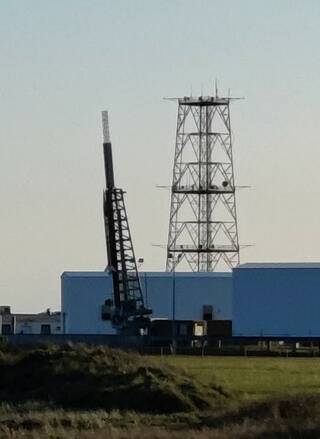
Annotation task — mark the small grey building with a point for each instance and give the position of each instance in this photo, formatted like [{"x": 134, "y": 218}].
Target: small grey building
[{"x": 45, "y": 323}]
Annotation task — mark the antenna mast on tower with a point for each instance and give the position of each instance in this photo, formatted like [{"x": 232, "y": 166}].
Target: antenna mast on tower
[{"x": 203, "y": 231}]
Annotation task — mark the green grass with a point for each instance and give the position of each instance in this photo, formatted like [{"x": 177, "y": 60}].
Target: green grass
[
  {"x": 81, "y": 392},
  {"x": 255, "y": 378}
]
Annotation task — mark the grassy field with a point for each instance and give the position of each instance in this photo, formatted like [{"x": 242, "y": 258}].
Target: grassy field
[
  {"x": 255, "y": 378},
  {"x": 82, "y": 393}
]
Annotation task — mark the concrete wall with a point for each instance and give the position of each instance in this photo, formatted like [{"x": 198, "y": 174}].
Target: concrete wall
[
  {"x": 117, "y": 341},
  {"x": 83, "y": 294},
  {"x": 273, "y": 300}
]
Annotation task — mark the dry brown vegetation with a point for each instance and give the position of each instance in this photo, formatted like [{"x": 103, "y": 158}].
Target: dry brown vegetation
[
  {"x": 82, "y": 393},
  {"x": 292, "y": 418}
]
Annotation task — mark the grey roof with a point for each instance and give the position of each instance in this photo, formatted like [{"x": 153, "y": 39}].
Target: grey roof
[
  {"x": 149, "y": 274},
  {"x": 187, "y": 274},
  {"x": 280, "y": 265},
  {"x": 85, "y": 273},
  {"x": 42, "y": 317}
]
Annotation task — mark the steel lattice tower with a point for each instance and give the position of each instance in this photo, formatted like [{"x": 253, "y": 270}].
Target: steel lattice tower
[{"x": 203, "y": 220}]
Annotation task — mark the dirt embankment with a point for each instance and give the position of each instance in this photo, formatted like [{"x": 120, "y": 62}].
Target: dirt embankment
[{"x": 95, "y": 377}]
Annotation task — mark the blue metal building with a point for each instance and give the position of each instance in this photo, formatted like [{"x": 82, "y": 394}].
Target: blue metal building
[
  {"x": 82, "y": 296},
  {"x": 186, "y": 296},
  {"x": 276, "y": 299}
]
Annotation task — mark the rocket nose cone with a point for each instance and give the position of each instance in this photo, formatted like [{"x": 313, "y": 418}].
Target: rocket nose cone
[{"x": 105, "y": 127}]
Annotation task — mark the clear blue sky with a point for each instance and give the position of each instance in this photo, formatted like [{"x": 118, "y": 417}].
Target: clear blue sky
[{"x": 62, "y": 62}]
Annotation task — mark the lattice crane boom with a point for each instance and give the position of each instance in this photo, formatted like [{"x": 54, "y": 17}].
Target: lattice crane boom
[{"x": 128, "y": 298}]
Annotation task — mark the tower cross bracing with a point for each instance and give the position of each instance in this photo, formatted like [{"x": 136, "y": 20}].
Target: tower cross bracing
[{"x": 203, "y": 233}]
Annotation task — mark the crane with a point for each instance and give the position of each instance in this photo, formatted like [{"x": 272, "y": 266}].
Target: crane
[{"x": 127, "y": 310}]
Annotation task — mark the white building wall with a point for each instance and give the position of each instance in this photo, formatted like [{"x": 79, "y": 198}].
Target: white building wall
[
  {"x": 84, "y": 293},
  {"x": 32, "y": 324},
  {"x": 276, "y": 300}
]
